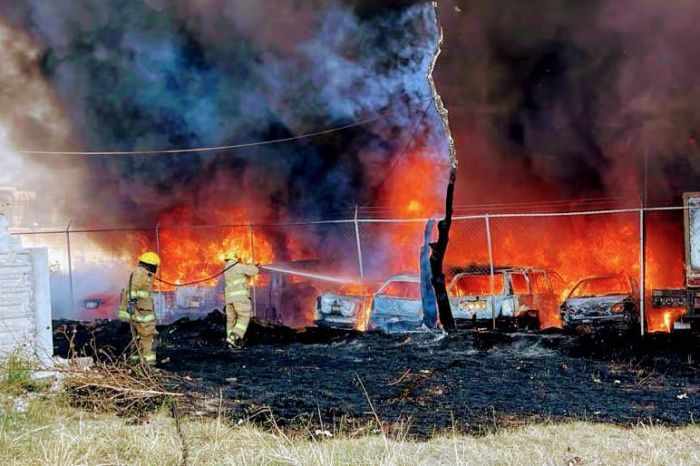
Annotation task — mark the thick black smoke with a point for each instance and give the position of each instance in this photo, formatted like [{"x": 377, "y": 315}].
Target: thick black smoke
[
  {"x": 158, "y": 74},
  {"x": 556, "y": 99}
]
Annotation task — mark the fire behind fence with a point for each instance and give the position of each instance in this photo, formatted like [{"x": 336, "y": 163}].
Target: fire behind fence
[{"x": 305, "y": 260}]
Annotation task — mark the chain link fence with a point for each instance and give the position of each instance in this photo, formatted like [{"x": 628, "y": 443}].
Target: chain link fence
[{"x": 533, "y": 254}]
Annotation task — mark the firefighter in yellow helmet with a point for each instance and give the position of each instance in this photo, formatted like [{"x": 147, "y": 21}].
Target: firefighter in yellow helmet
[
  {"x": 239, "y": 309},
  {"x": 138, "y": 309}
]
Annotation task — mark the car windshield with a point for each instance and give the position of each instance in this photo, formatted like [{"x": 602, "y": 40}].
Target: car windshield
[
  {"x": 602, "y": 286},
  {"x": 477, "y": 285},
  {"x": 408, "y": 290}
]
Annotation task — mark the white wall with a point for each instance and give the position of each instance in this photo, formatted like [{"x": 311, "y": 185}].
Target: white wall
[{"x": 25, "y": 300}]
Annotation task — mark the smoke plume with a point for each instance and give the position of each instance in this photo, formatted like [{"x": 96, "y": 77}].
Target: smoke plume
[
  {"x": 155, "y": 74},
  {"x": 555, "y": 99},
  {"x": 31, "y": 115}
]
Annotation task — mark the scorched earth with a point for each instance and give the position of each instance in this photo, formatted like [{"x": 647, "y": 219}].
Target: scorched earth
[{"x": 469, "y": 380}]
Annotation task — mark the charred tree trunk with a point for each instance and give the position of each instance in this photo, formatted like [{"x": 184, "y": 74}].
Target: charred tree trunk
[
  {"x": 437, "y": 259},
  {"x": 439, "y": 248}
]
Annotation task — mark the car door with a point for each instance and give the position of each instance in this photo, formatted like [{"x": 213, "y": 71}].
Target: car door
[
  {"x": 544, "y": 300},
  {"x": 520, "y": 286}
]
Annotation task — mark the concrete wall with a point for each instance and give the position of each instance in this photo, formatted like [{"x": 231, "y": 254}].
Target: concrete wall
[{"x": 25, "y": 300}]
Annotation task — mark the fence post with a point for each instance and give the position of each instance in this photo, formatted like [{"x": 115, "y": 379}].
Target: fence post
[
  {"x": 158, "y": 238},
  {"x": 252, "y": 258},
  {"x": 642, "y": 273},
  {"x": 490, "y": 247},
  {"x": 158, "y": 252},
  {"x": 70, "y": 269},
  {"x": 359, "y": 261}
]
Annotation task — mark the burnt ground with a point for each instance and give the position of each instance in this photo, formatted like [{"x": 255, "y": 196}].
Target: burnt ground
[{"x": 469, "y": 380}]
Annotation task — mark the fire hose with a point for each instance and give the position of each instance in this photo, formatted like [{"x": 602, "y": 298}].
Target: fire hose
[
  {"x": 328, "y": 278},
  {"x": 195, "y": 281}
]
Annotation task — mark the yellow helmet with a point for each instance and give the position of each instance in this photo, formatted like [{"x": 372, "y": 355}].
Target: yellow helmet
[
  {"x": 150, "y": 258},
  {"x": 231, "y": 256}
]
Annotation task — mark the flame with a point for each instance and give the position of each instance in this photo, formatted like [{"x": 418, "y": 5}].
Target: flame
[
  {"x": 190, "y": 253},
  {"x": 575, "y": 247}
]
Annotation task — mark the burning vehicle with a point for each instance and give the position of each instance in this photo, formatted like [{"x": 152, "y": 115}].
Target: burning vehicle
[
  {"x": 100, "y": 306},
  {"x": 512, "y": 296},
  {"x": 339, "y": 311},
  {"x": 345, "y": 309},
  {"x": 606, "y": 301},
  {"x": 397, "y": 306},
  {"x": 170, "y": 305}
]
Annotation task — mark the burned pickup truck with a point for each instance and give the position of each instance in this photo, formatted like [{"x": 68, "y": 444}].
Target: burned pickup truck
[
  {"x": 597, "y": 302},
  {"x": 513, "y": 297}
]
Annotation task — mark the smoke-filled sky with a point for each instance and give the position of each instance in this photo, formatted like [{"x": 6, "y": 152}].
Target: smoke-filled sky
[
  {"x": 556, "y": 99},
  {"x": 548, "y": 99},
  {"x": 156, "y": 74}
]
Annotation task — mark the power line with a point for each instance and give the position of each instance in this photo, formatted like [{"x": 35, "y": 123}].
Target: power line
[{"x": 204, "y": 149}]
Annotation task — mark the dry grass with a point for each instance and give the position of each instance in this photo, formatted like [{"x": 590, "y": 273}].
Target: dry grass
[
  {"x": 44, "y": 430},
  {"x": 125, "y": 389}
]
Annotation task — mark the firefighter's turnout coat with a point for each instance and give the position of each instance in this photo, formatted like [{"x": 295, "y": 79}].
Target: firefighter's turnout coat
[
  {"x": 137, "y": 308},
  {"x": 239, "y": 309}
]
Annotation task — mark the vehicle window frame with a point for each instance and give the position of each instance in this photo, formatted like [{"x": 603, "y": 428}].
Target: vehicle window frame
[
  {"x": 512, "y": 286},
  {"x": 587, "y": 280},
  {"x": 496, "y": 291},
  {"x": 545, "y": 279},
  {"x": 380, "y": 291}
]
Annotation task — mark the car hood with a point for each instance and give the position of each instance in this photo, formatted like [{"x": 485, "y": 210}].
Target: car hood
[{"x": 596, "y": 305}]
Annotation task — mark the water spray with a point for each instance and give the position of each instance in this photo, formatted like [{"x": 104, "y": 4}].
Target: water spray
[{"x": 327, "y": 278}]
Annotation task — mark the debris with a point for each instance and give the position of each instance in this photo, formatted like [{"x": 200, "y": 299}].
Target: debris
[
  {"x": 323, "y": 433},
  {"x": 682, "y": 396},
  {"x": 400, "y": 379}
]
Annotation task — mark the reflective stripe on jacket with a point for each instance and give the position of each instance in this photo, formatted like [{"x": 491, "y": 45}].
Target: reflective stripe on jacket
[
  {"x": 135, "y": 294},
  {"x": 237, "y": 294},
  {"x": 143, "y": 317}
]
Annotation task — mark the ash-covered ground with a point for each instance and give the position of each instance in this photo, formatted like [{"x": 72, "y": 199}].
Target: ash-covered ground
[{"x": 469, "y": 380}]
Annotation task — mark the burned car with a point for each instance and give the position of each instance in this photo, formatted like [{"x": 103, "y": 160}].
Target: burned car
[
  {"x": 341, "y": 311},
  {"x": 397, "y": 306},
  {"x": 606, "y": 301},
  {"x": 99, "y": 306},
  {"x": 511, "y": 297}
]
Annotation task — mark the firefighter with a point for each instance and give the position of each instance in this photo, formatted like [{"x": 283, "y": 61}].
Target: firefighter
[
  {"x": 239, "y": 309},
  {"x": 138, "y": 309}
]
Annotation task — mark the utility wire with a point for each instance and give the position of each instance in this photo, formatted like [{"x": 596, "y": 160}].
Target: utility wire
[
  {"x": 366, "y": 121},
  {"x": 204, "y": 149}
]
